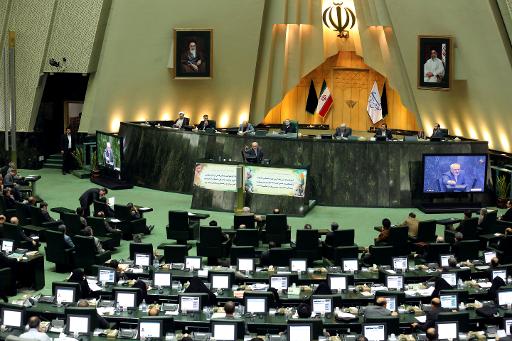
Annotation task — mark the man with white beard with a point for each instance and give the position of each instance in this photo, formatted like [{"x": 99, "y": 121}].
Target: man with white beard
[
  {"x": 192, "y": 60},
  {"x": 434, "y": 69}
]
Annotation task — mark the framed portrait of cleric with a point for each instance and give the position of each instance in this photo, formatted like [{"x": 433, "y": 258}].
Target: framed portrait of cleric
[
  {"x": 193, "y": 53},
  {"x": 435, "y": 60}
]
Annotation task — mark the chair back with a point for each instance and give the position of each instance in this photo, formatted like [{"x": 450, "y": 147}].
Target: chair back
[
  {"x": 36, "y": 216},
  {"x": 122, "y": 212},
  {"x": 276, "y": 223},
  {"x": 178, "y": 220},
  {"x": 98, "y": 225},
  {"x": 211, "y": 235},
  {"x": 343, "y": 237},
  {"x": 489, "y": 224},
  {"x": 381, "y": 254},
  {"x": 72, "y": 222},
  {"x": 345, "y": 252},
  {"x": 280, "y": 256},
  {"x": 85, "y": 251},
  {"x": 140, "y": 248},
  {"x": 247, "y": 237},
  {"x": 469, "y": 228},
  {"x": 467, "y": 249},
  {"x": 245, "y": 219},
  {"x": 55, "y": 246},
  {"x": 241, "y": 252},
  {"x": 175, "y": 253},
  {"x": 435, "y": 250},
  {"x": 22, "y": 213},
  {"x": 398, "y": 238},
  {"x": 426, "y": 231},
  {"x": 306, "y": 239}
]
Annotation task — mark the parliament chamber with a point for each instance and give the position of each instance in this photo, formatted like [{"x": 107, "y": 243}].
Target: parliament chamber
[{"x": 264, "y": 170}]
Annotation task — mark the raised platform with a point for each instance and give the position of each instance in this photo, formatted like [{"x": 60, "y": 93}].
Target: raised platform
[
  {"x": 456, "y": 207},
  {"x": 342, "y": 173}
]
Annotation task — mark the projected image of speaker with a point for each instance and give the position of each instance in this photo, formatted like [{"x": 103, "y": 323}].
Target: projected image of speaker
[{"x": 109, "y": 151}]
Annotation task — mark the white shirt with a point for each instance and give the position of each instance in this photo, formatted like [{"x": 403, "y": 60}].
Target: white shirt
[
  {"x": 179, "y": 122},
  {"x": 436, "y": 67},
  {"x": 34, "y": 334},
  {"x": 69, "y": 141}
]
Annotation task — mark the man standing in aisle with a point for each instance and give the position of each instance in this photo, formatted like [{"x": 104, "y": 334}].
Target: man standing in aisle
[{"x": 68, "y": 144}]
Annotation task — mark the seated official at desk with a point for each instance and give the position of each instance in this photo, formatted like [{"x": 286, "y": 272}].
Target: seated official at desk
[
  {"x": 437, "y": 132},
  {"x": 288, "y": 128},
  {"x": 245, "y": 128},
  {"x": 253, "y": 154},
  {"x": 33, "y": 332},
  {"x": 182, "y": 121},
  {"x": 508, "y": 214},
  {"x": 343, "y": 131},
  {"x": 384, "y": 132},
  {"x": 455, "y": 179},
  {"x": 379, "y": 309},
  {"x": 431, "y": 315},
  {"x": 206, "y": 123}
]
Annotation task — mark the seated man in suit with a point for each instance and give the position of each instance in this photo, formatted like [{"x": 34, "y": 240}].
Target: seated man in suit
[
  {"x": 206, "y": 124},
  {"x": 437, "y": 132},
  {"x": 288, "y": 128},
  {"x": 89, "y": 233},
  {"x": 9, "y": 200},
  {"x": 342, "y": 131},
  {"x": 88, "y": 197},
  {"x": 245, "y": 128},
  {"x": 11, "y": 181},
  {"x": 508, "y": 214},
  {"x": 431, "y": 314},
  {"x": 182, "y": 121},
  {"x": 455, "y": 180},
  {"x": 253, "y": 154},
  {"x": 383, "y": 131},
  {"x": 379, "y": 309},
  {"x": 44, "y": 211},
  {"x": 34, "y": 245}
]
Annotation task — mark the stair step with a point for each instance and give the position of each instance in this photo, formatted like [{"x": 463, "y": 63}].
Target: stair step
[
  {"x": 54, "y": 162},
  {"x": 52, "y": 166}
]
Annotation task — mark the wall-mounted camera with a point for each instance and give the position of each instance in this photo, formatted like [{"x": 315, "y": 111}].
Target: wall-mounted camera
[{"x": 59, "y": 64}]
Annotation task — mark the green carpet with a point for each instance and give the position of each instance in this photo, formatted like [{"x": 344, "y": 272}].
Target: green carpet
[{"x": 64, "y": 190}]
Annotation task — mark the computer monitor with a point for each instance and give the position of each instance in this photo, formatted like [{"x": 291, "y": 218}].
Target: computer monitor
[
  {"x": 447, "y": 330},
  {"x": 13, "y": 317},
  {"x": 107, "y": 275},
  {"x": 256, "y": 305},
  {"x": 245, "y": 264},
  {"x": 150, "y": 328},
  {"x": 7, "y": 245},
  {"x": 500, "y": 273},
  {"x": 298, "y": 265},
  {"x": 395, "y": 282},
  {"x": 400, "y": 263},
  {"x": 450, "y": 278},
  {"x": 350, "y": 264},
  {"x": 80, "y": 324},
  {"x": 65, "y": 294},
  {"x": 505, "y": 297},
  {"x": 507, "y": 322},
  {"x": 443, "y": 260},
  {"x": 300, "y": 332},
  {"x": 193, "y": 263},
  {"x": 220, "y": 280},
  {"x": 162, "y": 279},
  {"x": 224, "y": 331},
  {"x": 449, "y": 301},
  {"x": 375, "y": 331},
  {"x": 142, "y": 259},
  {"x": 488, "y": 256},
  {"x": 321, "y": 304},
  {"x": 126, "y": 299},
  {"x": 391, "y": 302},
  {"x": 279, "y": 282},
  {"x": 190, "y": 303},
  {"x": 337, "y": 282}
]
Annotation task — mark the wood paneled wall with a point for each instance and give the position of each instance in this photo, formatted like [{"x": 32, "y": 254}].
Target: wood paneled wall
[{"x": 350, "y": 81}]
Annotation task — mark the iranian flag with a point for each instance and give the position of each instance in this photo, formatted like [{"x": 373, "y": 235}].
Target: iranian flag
[{"x": 324, "y": 101}]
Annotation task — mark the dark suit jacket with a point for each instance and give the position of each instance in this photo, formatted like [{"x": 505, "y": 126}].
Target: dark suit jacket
[
  {"x": 329, "y": 239},
  {"x": 431, "y": 315},
  {"x": 254, "y": 156},
  {"x": 64, "y": 142},
  {"x": 386, "y": 133},
  {"x": 437, "y": 133},
  {"x": 186, "y": 121},
  {"x": 507, "y": 216},
  {"x": 88, "y": 197},
  {"x": 343, "y": 132},
  {"x": 288, "y": 129},
  {"x": 211, "y": 124}
]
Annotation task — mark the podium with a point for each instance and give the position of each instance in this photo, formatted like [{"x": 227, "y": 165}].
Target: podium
[{"x": 265, "y": 187}]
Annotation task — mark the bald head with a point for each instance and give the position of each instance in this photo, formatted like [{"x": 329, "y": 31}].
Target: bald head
[
  {"x": 436, "y": 302},
  {"x": 153, "y": 311},
  {"x": 381, "y": 301},
  {"x": 83, "y": 303}
]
